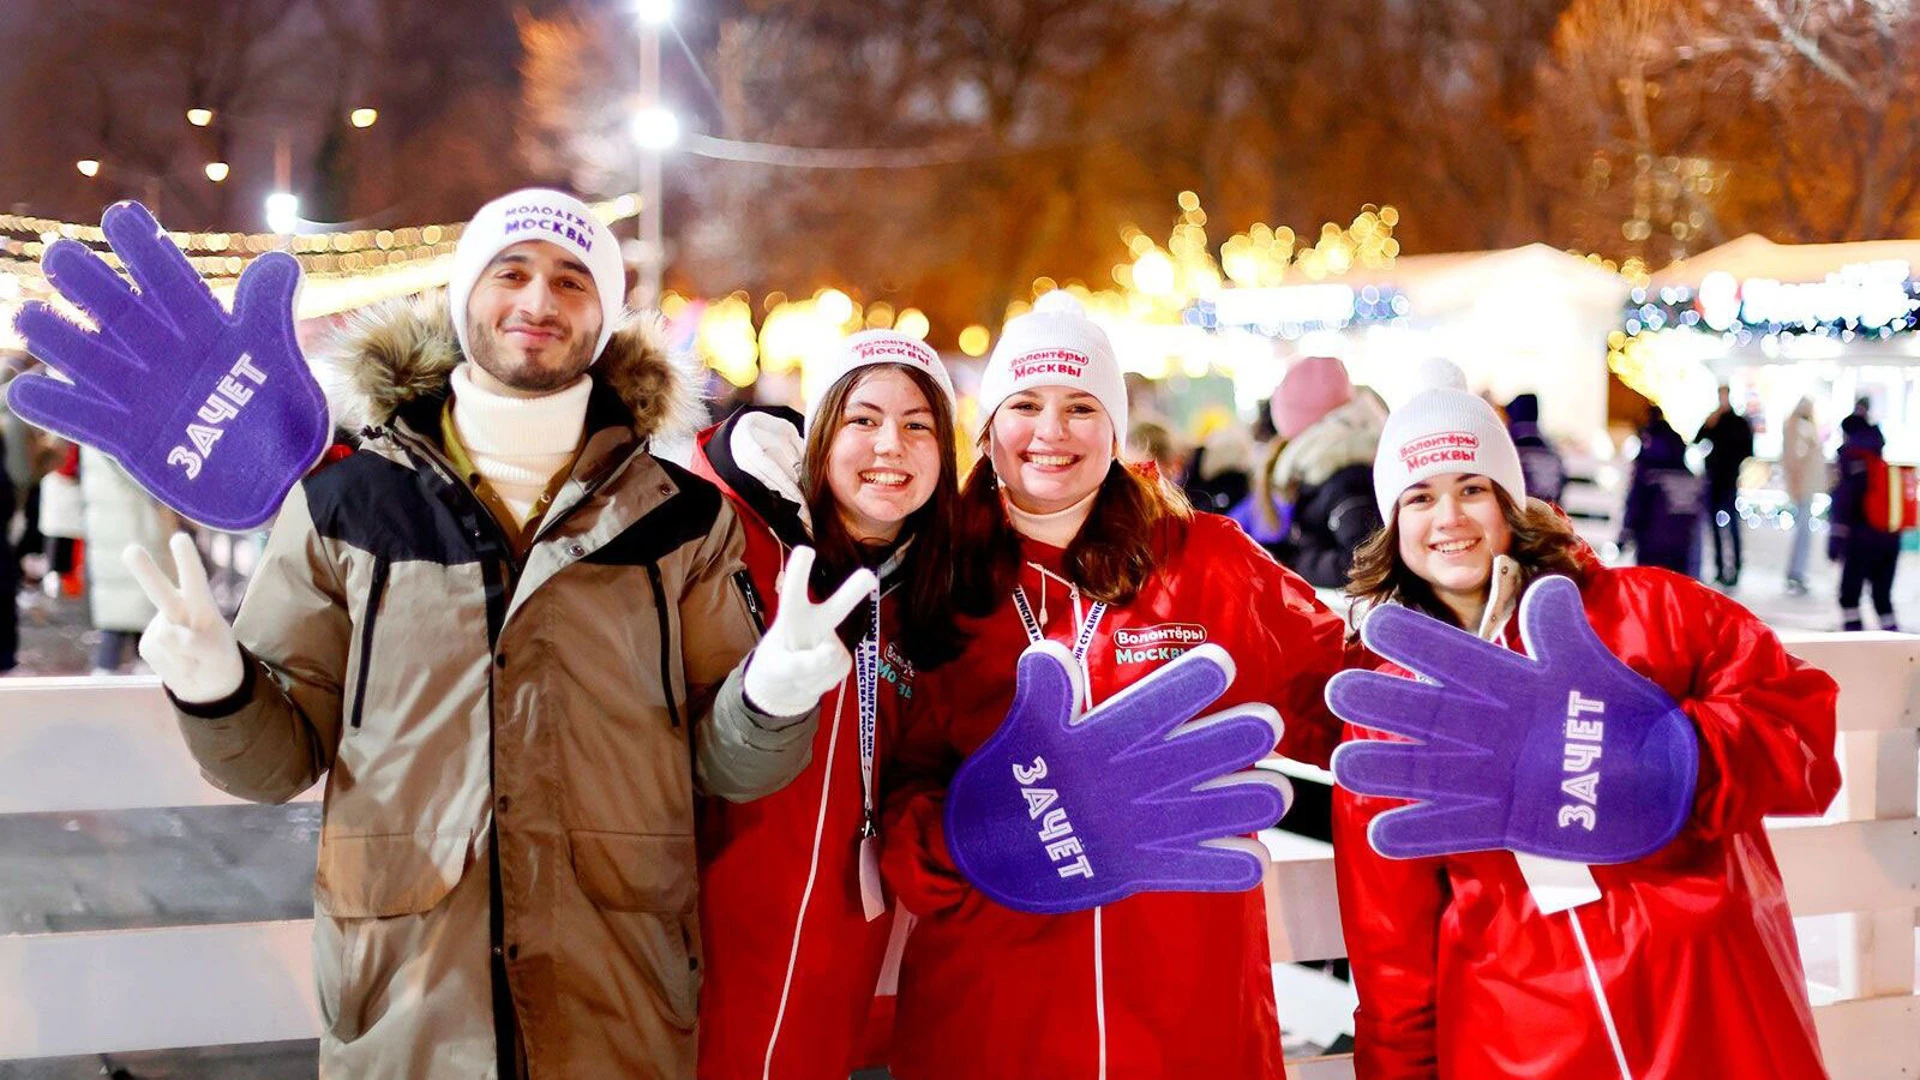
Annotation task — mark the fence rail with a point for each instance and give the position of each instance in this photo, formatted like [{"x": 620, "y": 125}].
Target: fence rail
[{"x": 79, "y": 745}]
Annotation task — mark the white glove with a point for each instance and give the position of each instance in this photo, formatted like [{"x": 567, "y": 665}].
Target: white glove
[
  {"x": 771, "y": 451},
  {"x": 801, "y": 657},
  {"x": 188, "y": 644}
]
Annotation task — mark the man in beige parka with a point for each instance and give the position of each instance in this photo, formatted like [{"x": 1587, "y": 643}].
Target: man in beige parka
[{"x": 511, "y": 640}]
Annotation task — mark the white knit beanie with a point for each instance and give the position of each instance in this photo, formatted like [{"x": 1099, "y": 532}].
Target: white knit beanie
[
  {"x": 1055, "y": 344},
  {"x": 1443, "y": 429},
  {"x": 539, "y": 214},
  {"x": 870, "y": 347}
]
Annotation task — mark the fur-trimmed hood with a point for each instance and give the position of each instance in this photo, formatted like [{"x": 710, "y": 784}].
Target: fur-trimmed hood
[
  {"x": 393, "y": 354},
  {"x": 1348, "y": 435}
]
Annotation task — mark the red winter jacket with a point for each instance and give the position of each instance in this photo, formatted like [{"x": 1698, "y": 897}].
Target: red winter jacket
[
  {"x": 791, "y": 960},
  {"x": 1460, "y": 975},
  {"x": 1157, "y": 986}
]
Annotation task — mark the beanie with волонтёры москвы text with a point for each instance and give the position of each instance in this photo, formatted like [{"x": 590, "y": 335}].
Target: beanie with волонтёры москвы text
[
  {"x": 1443, "y": 429},
  {"x": 1055, "y": 344}
]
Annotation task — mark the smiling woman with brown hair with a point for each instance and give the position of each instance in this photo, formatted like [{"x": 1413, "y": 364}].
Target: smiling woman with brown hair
[
  {"x": 1683, "y": 961},
  {"x": 1066, "y": 551},
  {"x": 792, "y": 915}
]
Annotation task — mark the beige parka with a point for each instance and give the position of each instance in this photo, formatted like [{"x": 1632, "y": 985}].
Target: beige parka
[{"x": 511, "y": 747}]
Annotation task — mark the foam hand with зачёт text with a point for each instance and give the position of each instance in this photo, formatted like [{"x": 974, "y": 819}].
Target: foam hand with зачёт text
[
  {"x": 215, "y": 415},
  {"x": 1060, "y": 812},
  {"x": 1564, "y": 752}
]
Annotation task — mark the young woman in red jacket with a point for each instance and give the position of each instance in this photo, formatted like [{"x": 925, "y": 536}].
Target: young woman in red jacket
[
  {"x": 1678, "y": 963},
  {"x": 794, "y": 929},
  {"x": 1063, "y": 543}
]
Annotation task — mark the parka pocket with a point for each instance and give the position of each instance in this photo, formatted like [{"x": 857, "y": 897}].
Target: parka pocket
[
  {"x": 645, "y": 887},
  {"x": 389, "y": 874},
  {"x": 376, "y": 898}
]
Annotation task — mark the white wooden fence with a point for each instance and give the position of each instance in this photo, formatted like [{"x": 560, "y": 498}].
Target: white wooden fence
[{"x": 90, "y": 745}]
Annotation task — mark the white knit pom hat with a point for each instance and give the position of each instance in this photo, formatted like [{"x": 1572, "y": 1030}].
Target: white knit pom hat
[
  {"x": 870, "y": 347},
  {"x": 538, "y": 214},
  {"x": 1055, "y": 344},
  {"x": 1443, "y": 429}
]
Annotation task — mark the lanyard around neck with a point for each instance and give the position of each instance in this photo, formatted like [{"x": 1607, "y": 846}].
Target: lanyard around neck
[
  {"x": 1081, "y": 642},
  {"x": 867, "y": 675}
]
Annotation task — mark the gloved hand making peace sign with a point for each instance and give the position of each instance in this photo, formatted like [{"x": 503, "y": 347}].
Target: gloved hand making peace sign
[
  {"x": 188, "y": 643},
  {"x": 216, "y": 415},
  {"x": 801, "y": 657}
]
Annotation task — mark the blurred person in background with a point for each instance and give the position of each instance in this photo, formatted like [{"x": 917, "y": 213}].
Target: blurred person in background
[
  {"x": 30, "y": 455},
  {"x": 1868, "y": 554},
  {"x": 1729, "y": 439},
  {"x": 1803, "y": 469},
  {"x": 1221, "y": 472},
  {"x": 119, "y": 514},
  {"x": 1258, "y": 513},
  {"x": 1322, "y": 467},
  {"x": 1545, "y": 470},
  {"x": 62, "y": 515},
  {"x": 1666, "y": 502},
  {"x": 16, "y": 452},
  {"x": 1151, "y": 443}
]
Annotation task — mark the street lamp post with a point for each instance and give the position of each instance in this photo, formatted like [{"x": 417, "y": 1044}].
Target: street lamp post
[
  {"x": 651, "y": 132},
  {"x": 283, "y": 206}
]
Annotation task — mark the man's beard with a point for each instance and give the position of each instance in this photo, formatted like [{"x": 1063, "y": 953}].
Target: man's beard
[{"x": 526, "y": 378}]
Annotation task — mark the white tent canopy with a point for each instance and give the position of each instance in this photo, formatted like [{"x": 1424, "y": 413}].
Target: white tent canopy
[
  {"x": 1755, "y": 256},
  {"x": 1865, "y": 283},
  {"x": 1528, "y": 319}
]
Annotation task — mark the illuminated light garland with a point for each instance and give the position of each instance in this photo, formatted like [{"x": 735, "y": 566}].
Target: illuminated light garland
[
  {"x": 1294, "y": 311},
  {"x": 1163, "y": 300},
  {"x": 1272, "y": 272},
  {"x": 1665, "y": 325},
  {"x": 48, "y": 229},
  {"x": 339, "y": 271},
  {"x": 1728, "y": 309}
]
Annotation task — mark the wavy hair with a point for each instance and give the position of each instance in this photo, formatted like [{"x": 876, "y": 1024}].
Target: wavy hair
[
  {"x": 1136, "y": 522},
  {"x": 1543, "y": 543}
]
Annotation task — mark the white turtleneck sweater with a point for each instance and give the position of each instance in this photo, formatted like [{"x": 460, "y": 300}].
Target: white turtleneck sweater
[
  {"x": 1056, "y": 529},
  {"x": 518, "y": 444}
]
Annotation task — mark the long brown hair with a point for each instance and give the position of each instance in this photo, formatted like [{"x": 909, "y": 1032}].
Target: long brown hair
[
  {"x": 1136, "y": 522},
  {"x": 1264, "y": 491},
  {"x": 1543, "y": 543},
  {"x": 930, "y": 633}
]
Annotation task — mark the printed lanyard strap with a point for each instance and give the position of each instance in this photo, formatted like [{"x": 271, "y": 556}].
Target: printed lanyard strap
[
  {"x": 1081, "y": 643},
  {"x": 867, "y": 664}
]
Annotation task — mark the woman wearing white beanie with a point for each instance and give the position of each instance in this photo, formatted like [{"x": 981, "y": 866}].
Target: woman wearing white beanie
[
  {"x": 1679, "y": 963},
  {"x": 791, "y": 910},
  {"x": 1062, "y": 543}
]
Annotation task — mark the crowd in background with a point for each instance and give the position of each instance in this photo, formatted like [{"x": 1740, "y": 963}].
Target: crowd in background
[
  {"x": 66, "y": 514},
  {"x": 1300, "y": 482}
]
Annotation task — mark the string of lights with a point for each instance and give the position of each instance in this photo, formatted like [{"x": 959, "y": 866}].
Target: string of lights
[
  {"x": 339, "y": 270},
  {"x": 27, "y": 237}
]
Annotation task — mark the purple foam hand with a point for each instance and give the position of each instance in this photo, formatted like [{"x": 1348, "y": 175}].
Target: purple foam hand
[
  {"x": 216, "y": 415},
  {"x": 1058, "y": 812},
  {"x": 1565, "y": 752}
]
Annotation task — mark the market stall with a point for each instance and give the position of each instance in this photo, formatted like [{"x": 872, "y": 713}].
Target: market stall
[
  {"x": 1833, "y": 322},
  {"x": 1531, "y": 318}
]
